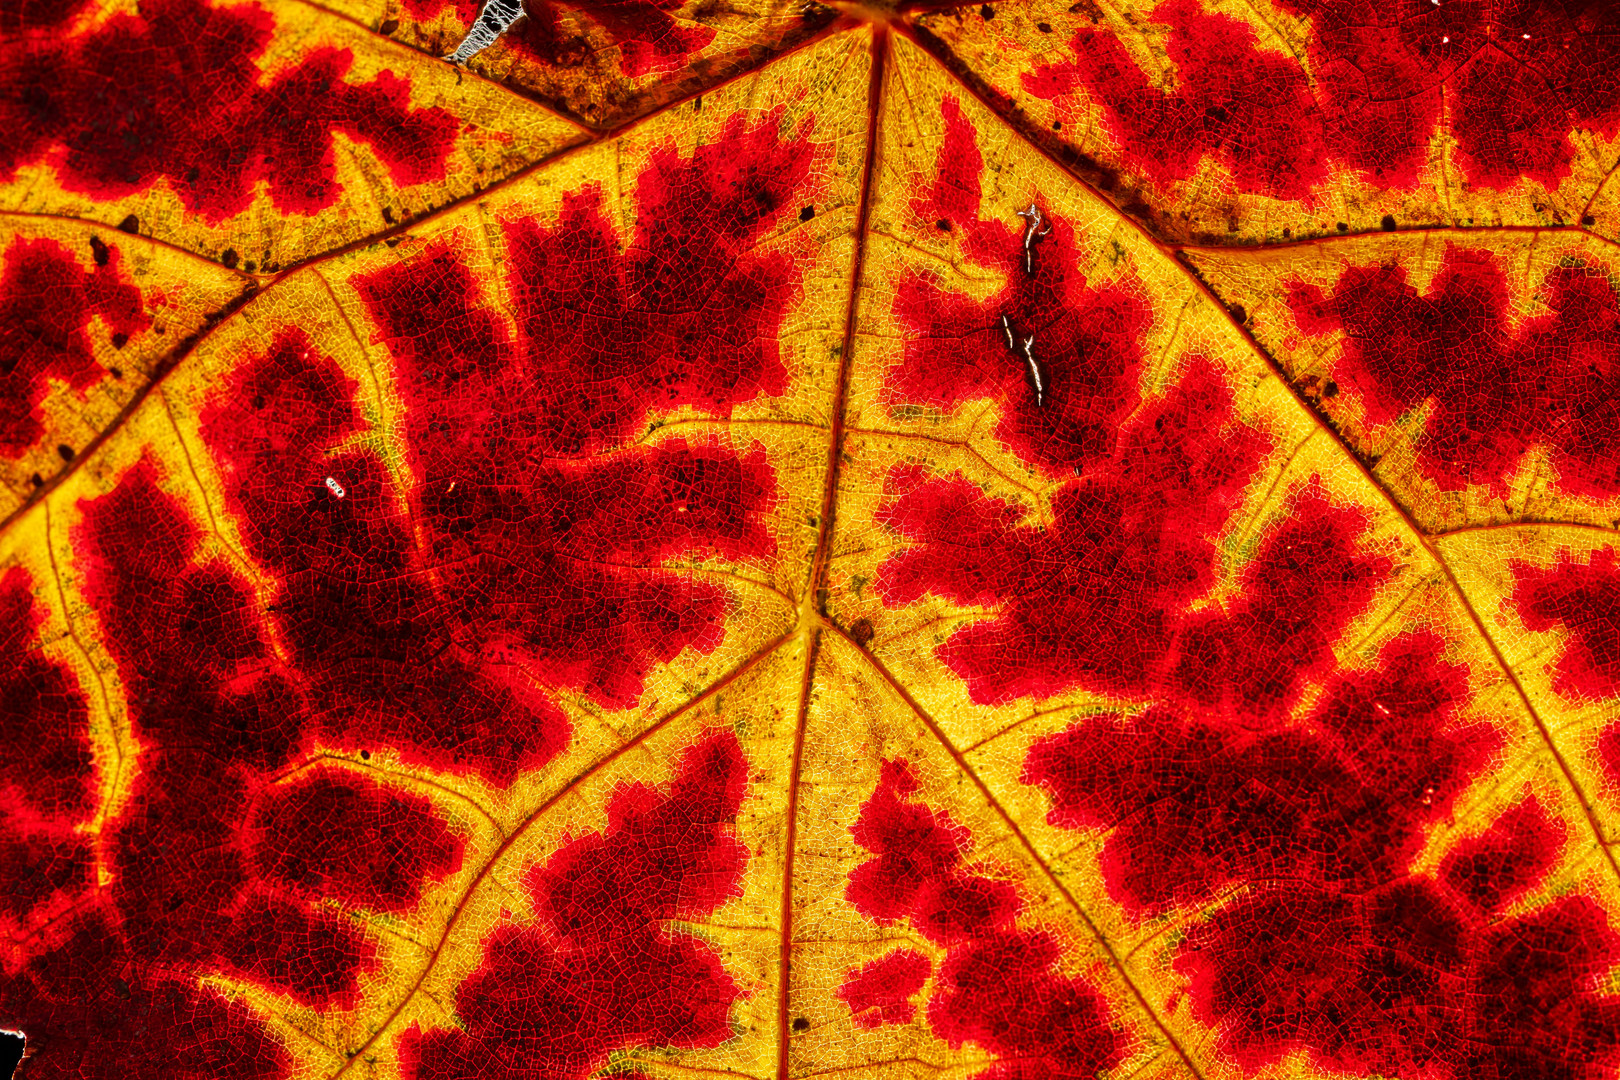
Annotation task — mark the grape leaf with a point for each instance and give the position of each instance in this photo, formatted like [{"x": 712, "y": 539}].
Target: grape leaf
[{"x": 764, "y": 540}]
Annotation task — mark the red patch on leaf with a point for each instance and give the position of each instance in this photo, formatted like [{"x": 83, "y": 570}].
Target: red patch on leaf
[
  {"x": 1197, "y": 805},
  {"x": 526, "y": 510},
  {"x": 205, "y": 688},
  {"x": 312, "y": 955},
  {"x": 22, "y": 16},
  {"x": 328, "y": 833},
  {"x": 195, "y": 110},
  {"x": 1403, "y": 982},
  {"x": 1497, "y": 867},
  {"x": 997, "y": 987},
  {"x": 880, "y": 992},
  {"x": 49, "y": 784},
  {"x": 1098, "y": 597},
  {"x": 1307, "y": 581},
  {"x": 1514, "y": 78},
  {"x": 47, "y": 300},
  {"x": 1582, "y": 598},
  {"x": 424, "y": 10},
  {"x": 1496, "y": 391},
  {"x": 599, "y": 971},
  {"x": 85, "y": 1008},
  {"x": 690, "y": 314},
  {"x": 1271, "y": 140}
]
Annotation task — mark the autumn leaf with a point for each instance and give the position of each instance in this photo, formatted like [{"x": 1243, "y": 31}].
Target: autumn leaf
[{"x": 781, "y": 540}]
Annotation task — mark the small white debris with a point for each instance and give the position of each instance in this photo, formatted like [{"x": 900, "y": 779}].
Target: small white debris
[
  {"x": 1006, "y": 328},
  {"x": 1034, "y": 370},
  {"x": 335, "y": 488},
  {"x": 491, "y": 23},
  {"x": 1038, "y": 227}
]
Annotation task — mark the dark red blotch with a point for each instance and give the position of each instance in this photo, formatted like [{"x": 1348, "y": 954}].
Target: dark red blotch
[
  {"x": 650, "y": 39},
  {"x": 1582, "y": 598},
  {"x": 534, "y": 503},
  {"x": 1333, "y": 946},
  {"x": 49, "y": 787},
  {"x": 1100, "y": 596},
  {"x": 1513, "y": 77},
  {"x": 93, "y": 1012},
  {"x": 21, "y": 16},
  {"x": 1407, "y": 981},
  {"x": 192, "y": 106},
  {"x": 424, "y": 10},
  {"x": 47, "y": 299},
  {"x": 1272, "y": 139},
  {"x": 880, "y": 992},
  {"x": 379, "y": 660},
  {"x": 1495, "y": 868},
  {"x": 1198, "y": 800},
  {"x": 1496, "y": 391},
  {"x": 328, "y": 833},
  {"x": 599, "y": 970},
  {"x": 998, "y": 986}
]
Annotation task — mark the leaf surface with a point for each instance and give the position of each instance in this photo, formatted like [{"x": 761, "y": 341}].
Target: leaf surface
[{"x": 778, "y": 542}]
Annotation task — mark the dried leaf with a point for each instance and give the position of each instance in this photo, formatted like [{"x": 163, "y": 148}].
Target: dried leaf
[{"x": 757, "y": 540}]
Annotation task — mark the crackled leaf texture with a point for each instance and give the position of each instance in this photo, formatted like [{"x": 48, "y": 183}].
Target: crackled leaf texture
[{"x": 778, "y": 540}]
